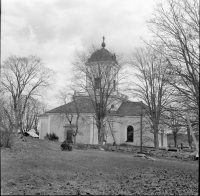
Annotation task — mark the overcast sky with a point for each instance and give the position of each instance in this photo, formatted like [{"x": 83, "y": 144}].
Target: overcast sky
[{"x": 55, "y": 29}]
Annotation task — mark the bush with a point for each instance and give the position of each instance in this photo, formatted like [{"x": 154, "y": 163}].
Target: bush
[
  {"x": 124, "y": 144},
  {"x": 66, "y": 146},
  {"x": 25, "y": 134},
  {"x": 52, "y": 137},
  {"x": 83, "y": 146},
  {"x": 6, "y": 139}
]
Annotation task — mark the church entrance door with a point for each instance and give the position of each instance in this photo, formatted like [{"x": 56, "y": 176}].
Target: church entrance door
[{"x": 69, "y": 136}]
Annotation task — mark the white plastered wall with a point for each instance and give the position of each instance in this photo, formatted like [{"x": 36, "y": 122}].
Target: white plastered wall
[
  {"x": 57, "y": 124},
  {"x": 43, "y": 130},
  {"x": 120, "y": 132},
  {"x": 88, "y": 132},
  {"x": 93, "y": 132},
  {"x": 120, "y": 125}
]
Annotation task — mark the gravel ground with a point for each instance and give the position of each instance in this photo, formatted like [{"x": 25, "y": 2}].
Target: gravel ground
[{"x": 40, "y": 167}]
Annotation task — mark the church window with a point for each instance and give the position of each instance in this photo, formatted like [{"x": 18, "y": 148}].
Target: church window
[
  {"x": 97, "y": 82},
  {"x": 130, "y": 133}
]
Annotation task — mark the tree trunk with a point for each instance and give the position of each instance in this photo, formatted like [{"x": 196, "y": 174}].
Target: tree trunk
[
  {"x": 75, "y": 134},
  {"x": 175, "y": 138},
  {"x": 20, "y": 126},
  {"x": 112, "y": 132},
  {"x": 100, "y": 132},
  {"x": 99, "y": 136},
  {"x": 156, "y": 141},
  {"x": 189, "y": 137},
  {"x": 16, "y": 121}
]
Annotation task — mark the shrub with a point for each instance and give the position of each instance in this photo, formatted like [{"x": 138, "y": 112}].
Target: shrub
[
  {"x": 124, "y": 144},
  {"x": 66, "y": 146},
  {"x": 25, "y": 134},
  {"x": 83, "y": 146},
  {"x": 52, "y": 137},
  {"x": 6, "y": 139}
]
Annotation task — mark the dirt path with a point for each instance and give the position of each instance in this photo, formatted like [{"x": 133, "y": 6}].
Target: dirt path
[{"x": 40, "y": 167}]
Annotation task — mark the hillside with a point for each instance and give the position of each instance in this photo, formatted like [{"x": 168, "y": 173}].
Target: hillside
[{"x": 40, "y": 167}]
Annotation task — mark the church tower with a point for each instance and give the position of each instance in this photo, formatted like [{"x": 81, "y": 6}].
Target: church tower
[{"x": 102, "y": 70}]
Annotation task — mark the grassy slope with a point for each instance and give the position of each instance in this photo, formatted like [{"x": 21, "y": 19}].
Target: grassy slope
[{"x": 40, "y": 167}]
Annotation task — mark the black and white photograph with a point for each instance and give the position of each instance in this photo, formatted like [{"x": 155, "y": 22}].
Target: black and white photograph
[{"x": 99, "y": 97}]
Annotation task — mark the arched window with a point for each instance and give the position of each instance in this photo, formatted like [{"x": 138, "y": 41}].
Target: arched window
[{"x": 130, "y": 133}]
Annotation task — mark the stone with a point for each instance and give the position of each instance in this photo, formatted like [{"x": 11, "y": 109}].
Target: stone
[
  {"x": 186, "y": 156},
  {"x": 139, "y": 155},
  {"x": 179, "y": 156}
]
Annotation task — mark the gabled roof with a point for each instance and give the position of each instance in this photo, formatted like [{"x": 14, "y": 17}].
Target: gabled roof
[
  {"x": 43, "y": 115},
  {"x": 84, "y": 105},
  {"x": 129, "y": 108}
]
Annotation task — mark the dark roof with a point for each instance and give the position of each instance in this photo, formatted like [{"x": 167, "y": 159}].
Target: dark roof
[
  {"x": 129, "y": 108},
  {"x": 102, "y": 55},
  {"x": 84, "y": 105},
  {"x": 43, "y": 115}
]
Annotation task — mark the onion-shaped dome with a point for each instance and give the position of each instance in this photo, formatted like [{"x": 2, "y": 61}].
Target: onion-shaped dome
[{"x": 102, "y": 55}]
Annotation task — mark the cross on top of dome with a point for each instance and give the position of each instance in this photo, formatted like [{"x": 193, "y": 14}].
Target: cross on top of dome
[
  {"x": 102, "y": 55},
  {"x": 103, "y": 44}
]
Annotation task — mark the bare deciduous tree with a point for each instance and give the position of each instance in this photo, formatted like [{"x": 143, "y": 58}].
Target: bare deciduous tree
[
  {"x": 98, "y": 80},
  {"x": 7, "y": 114},
  {"x": 22, "y": 78},
  {"x": 151, "y": 86},
  {"x": 175, "y": 25},
  {"x": 175, "y": 123},
  {"x": 176, "y": 118},
  {"x": 70, "y": 113},
  {"x": 33, "y": 109}
]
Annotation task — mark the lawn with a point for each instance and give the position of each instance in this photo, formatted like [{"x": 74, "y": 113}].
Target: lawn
[{"x": 40, "y": 167}]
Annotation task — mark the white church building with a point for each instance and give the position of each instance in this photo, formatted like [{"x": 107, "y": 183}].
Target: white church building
[{"x": 124, "y": 116}]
